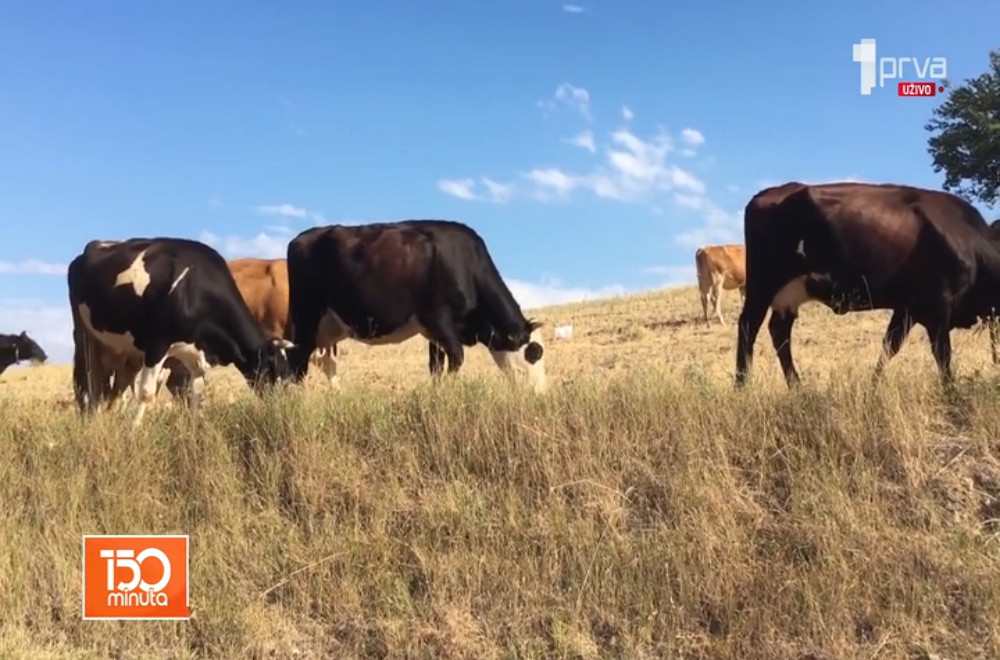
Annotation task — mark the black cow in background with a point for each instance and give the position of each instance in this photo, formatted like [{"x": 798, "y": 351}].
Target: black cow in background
[{"x": 15, "y": 348}]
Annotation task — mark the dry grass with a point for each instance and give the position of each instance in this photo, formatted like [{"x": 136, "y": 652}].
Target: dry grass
[{"x": 642, "y": 509}]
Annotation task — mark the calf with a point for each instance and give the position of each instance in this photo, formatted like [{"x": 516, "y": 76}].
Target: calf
[
  {"x": 926, "y": 255},
  {"x": 719, "y": 267},
  {"x": 14, "y": 348},
  {"x": 152, "y": 299},
  {"x": 383, "y": 283}
]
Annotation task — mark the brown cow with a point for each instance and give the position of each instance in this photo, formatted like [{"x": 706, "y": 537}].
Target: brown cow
[{"x": 720, "y": 267}]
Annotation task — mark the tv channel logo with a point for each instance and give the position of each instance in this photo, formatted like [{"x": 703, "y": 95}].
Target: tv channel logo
[{"x": 136, "y": 577}]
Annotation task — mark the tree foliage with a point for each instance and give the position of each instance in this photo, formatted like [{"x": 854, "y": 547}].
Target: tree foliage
[{"x": 966, "y": 136}]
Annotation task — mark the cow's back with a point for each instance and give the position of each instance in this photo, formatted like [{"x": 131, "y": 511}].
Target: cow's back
[
  {"x": 263, "y": 283},
  {"x": 727, "y": 261}
]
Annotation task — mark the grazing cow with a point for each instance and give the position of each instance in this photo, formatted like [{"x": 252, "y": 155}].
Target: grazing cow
[
  {"x": 14, "y": 348},
  {"x": 720, "y": 267},
  {"x": 153, "y": 299},
  {"x": 383, "y": 283},
  {"x": 925, "y": 254},
  {"x": 263, "y": 283}
]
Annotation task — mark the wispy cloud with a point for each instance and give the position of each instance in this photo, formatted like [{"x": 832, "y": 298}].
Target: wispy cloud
[
  {"x": 263, "y": 246},
  {"x": 551, "y": 291},
  {"x": 673, "y": 275},
  {"x": 630, "y": 168},
  {"x": 31, "y": 267},
  {"x": 495, "y": 191},
  {"x": 290, "y": 211},
  {"x": 634, "y": 170},
  {"x": 584, "y": 140},
  {"x": 570, "y": 96},
  {"x": 573, "y": 9},
  {"x": 692, "y": 137}
]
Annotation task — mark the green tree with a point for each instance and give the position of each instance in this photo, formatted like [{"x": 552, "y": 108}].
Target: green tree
[{"x": 966, "y": 136}]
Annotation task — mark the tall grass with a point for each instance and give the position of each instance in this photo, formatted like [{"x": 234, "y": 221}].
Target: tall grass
[{"x": 638, "y": 516}]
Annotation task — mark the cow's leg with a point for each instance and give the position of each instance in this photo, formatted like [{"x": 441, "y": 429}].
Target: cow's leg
[
  {"x": 940, "y": 338},
  {"x": 442, "y": 331},
  {"x": 327, "y": 360},
  {"x": 994, "y": 328},
  {"x": 435, "y": 358},
  {"x": 780, "y": 327},
  {"x": 750, "y": 320},
  {"x": 899, "y": 328},
  {"x": 145, "y": 387},
  {"x": 704, "y": 304},
  {"x": 743, "y": 293},
  {"x": 717, "y": 298}
]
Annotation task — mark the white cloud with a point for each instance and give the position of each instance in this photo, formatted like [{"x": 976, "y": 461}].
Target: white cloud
[
  {"x": 636, "y": 169},
  {"x": 574, "y": 97},
  {"x": 720, "y": 226},
  {"x": 551, "y": 291},
  {"x": 584, "y": 140},
  {"x": 31, "y": 267},
  {"x": 673, "y": 275},
  {"x": 495, "y": 192},
  {"x": 692, "y": 137},
  {"x": 573, "y": 9},
  {"x": 461, "y": 188},
  {"x": 51, "y": 325},
  {"x": 551, "y": 180},
  {"x": 627, "y": 113},
  {"x": 287, "y": 210},
  {"x": 262, "y": 246},
  {"x": 499, "y": 192},
  {"x": 291, "y": 211}
]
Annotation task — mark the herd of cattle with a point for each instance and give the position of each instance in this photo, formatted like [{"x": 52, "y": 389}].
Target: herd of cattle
[{"x": 149, "y": 311}]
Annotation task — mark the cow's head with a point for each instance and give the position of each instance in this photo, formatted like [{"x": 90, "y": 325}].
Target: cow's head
[
  {"x": 527, "y": 362},
  {"x": 512, "y": 338},
  {"x": 26, "y": 348},
  {"x": 272, "y": 364}
]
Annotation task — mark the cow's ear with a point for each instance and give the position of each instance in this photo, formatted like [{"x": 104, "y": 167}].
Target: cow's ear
[
  {"x": 24, "y": 334},
  {"x": 534, "y": 325}
]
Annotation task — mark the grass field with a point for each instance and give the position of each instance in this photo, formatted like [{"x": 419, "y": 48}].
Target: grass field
[{"x": 643, "y": 508}]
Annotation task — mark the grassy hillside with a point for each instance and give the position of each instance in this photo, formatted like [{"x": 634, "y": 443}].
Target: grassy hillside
[{"x": 642, "y": 509}]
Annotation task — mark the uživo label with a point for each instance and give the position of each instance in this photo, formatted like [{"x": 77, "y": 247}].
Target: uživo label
[{"x": 135, "y": 577}]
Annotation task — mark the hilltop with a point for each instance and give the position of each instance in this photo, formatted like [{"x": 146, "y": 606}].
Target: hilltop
[{"x": 643, "y": 508}]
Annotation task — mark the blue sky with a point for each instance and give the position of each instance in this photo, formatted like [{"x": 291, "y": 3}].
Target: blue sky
[{"x": 593, "y": 145}]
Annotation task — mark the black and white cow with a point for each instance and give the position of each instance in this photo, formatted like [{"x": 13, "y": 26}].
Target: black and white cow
[
  {"x": 14, "y": 348},
  {"x": 383, "y": 283},
  {"x": 146, "y": 300}
]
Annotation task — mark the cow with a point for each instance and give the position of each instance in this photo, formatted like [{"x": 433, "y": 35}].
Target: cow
[
  {"x": 924, "y": 254},
  {"x": 15, "y": 348},
  {"x": 383, "y": 283},
  {"x": 159, "y": 298},
  {"x": 263, "y": 283},
  {"x": 719, "y": 267}
]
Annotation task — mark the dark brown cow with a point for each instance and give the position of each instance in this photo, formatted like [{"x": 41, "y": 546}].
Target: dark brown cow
[{"x": 926, "y": 255}]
